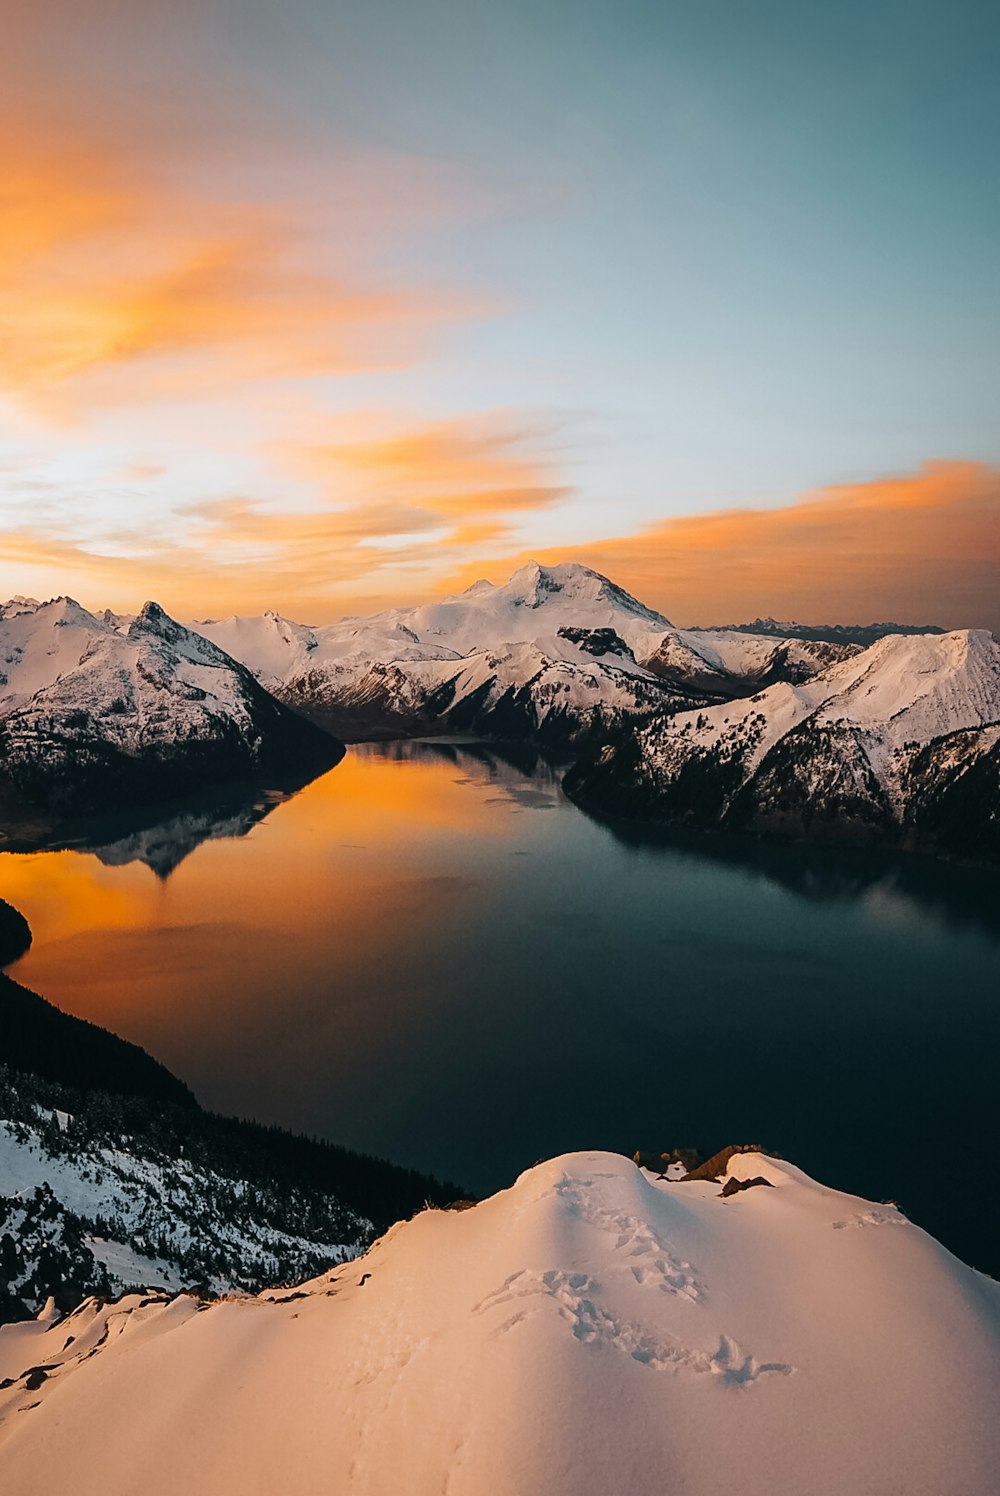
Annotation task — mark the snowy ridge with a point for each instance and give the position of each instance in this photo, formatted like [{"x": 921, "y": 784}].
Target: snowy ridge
[
  {"x": 84, "y": 1203},
  {"x": 901, "y": 739},
  {"x": 590, "y": 1330},
  {"x": 557, "y": 652},
  {"x": 144, "y": 703}
]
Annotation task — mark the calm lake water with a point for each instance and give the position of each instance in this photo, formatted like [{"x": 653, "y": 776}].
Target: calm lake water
[{"x": 430, "y": 954}]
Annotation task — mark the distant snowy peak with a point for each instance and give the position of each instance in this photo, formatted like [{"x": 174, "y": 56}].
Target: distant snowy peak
[
  {"x": 525, "y": 659},
  {"x": 900, "y": 742},
  {"x": 565, "y": 585},
  {"x": 559, "y": 653},
  {"x": 921, "y": 686},
  {"x": 532, "y": 606},
  {"x": 270, "y": 645}
]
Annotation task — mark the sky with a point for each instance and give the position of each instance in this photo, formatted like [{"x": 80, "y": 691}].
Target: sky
[{"x": 324, "y": 306}]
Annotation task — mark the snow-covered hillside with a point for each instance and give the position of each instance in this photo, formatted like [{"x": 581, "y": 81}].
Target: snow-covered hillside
[
  {"x": 118, "y": 1193},
  {"x": 138, "y": 707},
  {"x": 592, "y": 1330},
  {"x": 559, "y": 653},
  {"x": 901, "y": 741}
]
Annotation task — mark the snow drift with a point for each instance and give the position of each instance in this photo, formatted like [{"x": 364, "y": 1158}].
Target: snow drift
[{"x": 591, "y": 1330}]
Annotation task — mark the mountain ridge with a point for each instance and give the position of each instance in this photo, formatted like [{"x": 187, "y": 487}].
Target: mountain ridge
[
  {"x": 560, "y": 654},
  {"x": 98, "y": 709},
  {"x": 899, "y": 743}
]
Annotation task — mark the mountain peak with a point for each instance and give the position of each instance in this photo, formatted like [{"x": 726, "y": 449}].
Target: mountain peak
[
  {"x": 533, "y": 585},
  {"x": 152, "y": 619},
  {"x": 537, "y": 1293}
]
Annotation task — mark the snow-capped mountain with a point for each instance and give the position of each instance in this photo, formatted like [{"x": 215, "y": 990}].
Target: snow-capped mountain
[
  {"x": 900, "y": 742},
  {"x": 558, "y": 653},
  {"x": 593, "y": 1329},
  {"x": 135, "y": 707}
]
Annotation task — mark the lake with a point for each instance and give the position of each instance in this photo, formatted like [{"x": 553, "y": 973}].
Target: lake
[{"x": 430, "y": 954}]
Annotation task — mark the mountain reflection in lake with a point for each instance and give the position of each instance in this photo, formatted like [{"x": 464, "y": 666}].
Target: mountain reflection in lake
[{"x": 429, "y": 953}]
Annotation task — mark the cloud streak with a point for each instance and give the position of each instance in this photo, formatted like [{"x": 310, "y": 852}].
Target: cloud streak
[
  {"x": 120, "y": 286},
  {"x": 437, "y": 509},
  {"x": 922, "y": 547},
  {"x": 397, "y": 509}
]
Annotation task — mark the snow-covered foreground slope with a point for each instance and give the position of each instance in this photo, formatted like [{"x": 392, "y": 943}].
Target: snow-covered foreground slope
[
  {"x": 105, "y": 1197},
  {"x": 589, "y": 1331},
  {"x": 91, "y": 704},
  {"x": 557, "y": 652},
  {"x": 899, "y": 742}
]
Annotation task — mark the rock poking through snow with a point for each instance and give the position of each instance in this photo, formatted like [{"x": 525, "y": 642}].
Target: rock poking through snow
[{"x": 590, "y": 1330}]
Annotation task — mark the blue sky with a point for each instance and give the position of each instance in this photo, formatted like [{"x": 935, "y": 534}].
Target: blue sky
[{"x": 690, "y": 256}]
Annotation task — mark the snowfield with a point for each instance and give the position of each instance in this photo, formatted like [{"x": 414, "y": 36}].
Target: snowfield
[{"x": 590, "y": 1331}]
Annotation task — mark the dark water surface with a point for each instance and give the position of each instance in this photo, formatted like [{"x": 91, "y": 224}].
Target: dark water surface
[{"x": 430, "y": 954}]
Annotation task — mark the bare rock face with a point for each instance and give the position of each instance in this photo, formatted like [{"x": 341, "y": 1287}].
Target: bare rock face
[{"x": 736, "y": 1186}]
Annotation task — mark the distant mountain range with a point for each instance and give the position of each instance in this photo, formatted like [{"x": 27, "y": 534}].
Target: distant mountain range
[
  {"x": 558, "y": 654},
  {"x": 768, "y": 726},
  {"x": 829, "y": 633}
]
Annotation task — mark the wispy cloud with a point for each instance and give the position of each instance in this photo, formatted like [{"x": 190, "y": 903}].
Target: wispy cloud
[
  {"x": 395, "y": 511},
  {"x": 119, "y": 285},
  {"x": 921, "y": 547}
]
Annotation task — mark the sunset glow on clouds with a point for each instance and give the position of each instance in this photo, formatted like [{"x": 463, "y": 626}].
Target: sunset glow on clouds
[
  {"x": 290, "y": 317},
  {"x": 922, "y": 548},
  {"x": 118, "y": 289}
]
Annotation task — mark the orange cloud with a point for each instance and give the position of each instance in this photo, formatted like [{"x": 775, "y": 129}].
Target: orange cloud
[
  {"x": 120, "y": 284},
  {"x": 919, "y": 548},
  {"x": 923, "y": 547},
  {"x": 398, "y": 508},
  {"x": 470, "y": 468}
]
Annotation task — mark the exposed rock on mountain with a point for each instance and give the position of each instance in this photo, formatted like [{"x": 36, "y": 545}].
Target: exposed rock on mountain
[
  {"x": 559, "y": 654},
  {"x": 101, "y": 709},
  {"x": 899, "y": 743}
]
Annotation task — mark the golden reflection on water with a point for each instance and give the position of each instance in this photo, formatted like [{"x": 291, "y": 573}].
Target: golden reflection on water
[{"x": 285, "y": 924}]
